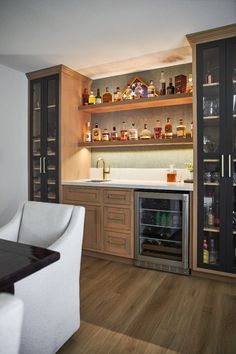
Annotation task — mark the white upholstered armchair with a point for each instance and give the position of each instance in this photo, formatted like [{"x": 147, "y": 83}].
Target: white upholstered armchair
[{"x": 51, "y": 295}]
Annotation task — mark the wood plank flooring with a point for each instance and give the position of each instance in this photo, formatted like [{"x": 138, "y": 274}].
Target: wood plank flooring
[{"x": 126, "y": 309}]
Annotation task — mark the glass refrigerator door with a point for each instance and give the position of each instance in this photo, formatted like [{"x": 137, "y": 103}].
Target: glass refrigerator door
[
  {"x": 161, "y": 228},
  {"x": 36, "y": 142},
  {"x": 50, "y": 162},
  {"x": 209, "y": 156}
]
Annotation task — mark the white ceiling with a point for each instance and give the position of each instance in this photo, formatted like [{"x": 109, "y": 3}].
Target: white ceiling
[{"x": 104, "y": 37}]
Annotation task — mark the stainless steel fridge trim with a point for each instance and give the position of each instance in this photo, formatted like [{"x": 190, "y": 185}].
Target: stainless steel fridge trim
[
  {"x": 230, "y": 171},
  {"x": 222, "y": 165},
  {"x": 185, "y": 226},
  {"x": 40, "y": 165},
  {"x": 44, "y": 165}
]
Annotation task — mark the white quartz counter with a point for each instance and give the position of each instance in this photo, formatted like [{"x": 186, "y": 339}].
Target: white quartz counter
[{"x": 133, "y": 184}]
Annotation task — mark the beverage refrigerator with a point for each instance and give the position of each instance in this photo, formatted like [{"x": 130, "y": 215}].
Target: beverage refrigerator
[{"x": 162, "y": 231}]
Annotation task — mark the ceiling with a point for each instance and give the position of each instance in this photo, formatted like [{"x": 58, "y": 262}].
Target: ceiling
[{"x": 102, "y": 38}]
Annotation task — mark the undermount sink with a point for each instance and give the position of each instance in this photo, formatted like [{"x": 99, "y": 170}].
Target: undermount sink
[{"x": 98, "y": 180}]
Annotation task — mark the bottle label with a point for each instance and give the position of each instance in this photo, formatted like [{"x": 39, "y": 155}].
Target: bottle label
[
  {"x": 88, "y": 137},
  {"x": 98, "y": 100}
]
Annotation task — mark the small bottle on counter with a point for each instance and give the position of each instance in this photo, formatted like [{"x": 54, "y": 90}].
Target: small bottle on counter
[
  {"x": 158, "y": 130},
  {"x": 96, "y": 133},
  {"x": 114, "y": 134},
  {"x": 133, "y": 133}
]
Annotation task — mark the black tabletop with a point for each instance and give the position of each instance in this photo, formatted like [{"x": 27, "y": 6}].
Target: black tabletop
[{"x": 18, "y": 260}]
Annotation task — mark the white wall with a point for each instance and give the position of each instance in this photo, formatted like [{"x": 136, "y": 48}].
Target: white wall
[{"x": 13, "y": 142}]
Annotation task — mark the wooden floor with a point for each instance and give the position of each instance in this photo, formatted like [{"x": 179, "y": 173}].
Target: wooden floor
[{"x": 125, "y": 309}]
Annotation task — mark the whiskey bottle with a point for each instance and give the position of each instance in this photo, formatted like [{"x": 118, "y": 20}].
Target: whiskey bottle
[
  {"x": 85, "y": 97},
  {"x": 212, "y": 252},
  {"x": 98, "y": 98},
  {"x": 210, "y": 217},
  {"x": 151, "y": 89},
  {"x": 170, "y": 88},
  {"x": 168, "y": 129},
  {"x": 133, "y": 133},
  {"x": 91, "y": 99},
  {"x": 96, "y": 133},
  {"x": 162, "y": 84},
  {"x": 117, "y": 95},
  {"x": 145, "y": 133},
  {"x": 158, "y": 130},
  {"x": 181, "y": 129},
  {"x": 191, "y": 130},
  {"x": 189, "y": 88},
  {"x": 114, "y": 134},
  {"x": 124, "y": 132},
  {"x": 107, "y": 96},
  {"x": 105, "y": 135},
  {"x": 205, "y": 252},
  {"x": 88, "y": 134}
]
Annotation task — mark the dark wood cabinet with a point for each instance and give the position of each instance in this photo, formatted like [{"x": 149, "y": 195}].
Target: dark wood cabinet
[{"x": 44, "y": 139}]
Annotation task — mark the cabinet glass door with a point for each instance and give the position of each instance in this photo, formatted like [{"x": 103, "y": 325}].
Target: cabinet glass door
[
  {"x": 36, "y": 142},
  {"x": 51, "y": 158},
  {"x": 210, "y": 183}
]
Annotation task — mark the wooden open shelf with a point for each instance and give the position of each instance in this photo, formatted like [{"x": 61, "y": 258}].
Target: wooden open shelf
[
  {"x": 159, "y": 143},
  {"x": 160, "y": 101}
]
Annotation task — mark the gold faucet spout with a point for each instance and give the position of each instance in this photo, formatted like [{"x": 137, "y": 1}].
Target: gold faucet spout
[{"x": 105, "y": 170}]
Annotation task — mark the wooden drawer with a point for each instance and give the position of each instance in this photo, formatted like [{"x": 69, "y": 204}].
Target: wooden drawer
[
  {"x": 81, "y": 195},
  {"x": 117, "y": 218},
  {"x": 117, "y": 244},
  {"x": 92, "y": 228},
  {"x": 117, "y": 196}
]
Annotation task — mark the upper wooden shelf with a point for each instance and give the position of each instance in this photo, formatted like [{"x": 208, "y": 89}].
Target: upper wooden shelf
[
  {"x": 160, "y": 101},
  {"x": 158, "y": 143}
]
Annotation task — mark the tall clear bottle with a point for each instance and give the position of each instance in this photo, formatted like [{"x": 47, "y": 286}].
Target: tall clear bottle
[{"x": 162, "y": 84}]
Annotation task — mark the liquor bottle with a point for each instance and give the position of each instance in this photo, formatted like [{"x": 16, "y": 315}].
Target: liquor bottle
[
  {"x": 216, "y": 213},
  {"x": 133, "y": 133},
  {"x": 138, "y": 92},
  {"x": 124, "y": 132},
  {"x": 209, "y": 78},
  {"x": 145, "y": 133},
  {"x": 181, "y": 129},
  {"x": 105, "y": 135},
  {"x": 191, "y": 130},
  {"x": 128, "y": 94},
  {"x": 96, "y": 133},
  {"x": 151, "y": 89},
  {"x": 210, "y": 217},
  {"x": 158, "y": 130},
  {"x": 91, "y": 99},
  {"x": 88, "y": 134},
  {"x": 189, "y": 87},
  {"x": 212, "y": 252},
  {"x": 107, "y": 96},
  {"x": 170, "y": 88},
  {"x": 117, "y": 95},
  {"x": 98, "y": 98},
  {"x": 162, "y": 84},
  {"x": 205, "y": 252},
  {"x": 85, "y": 97},
  {"x": 114, "y": 134},
  {"x": 168, "y": 129}
]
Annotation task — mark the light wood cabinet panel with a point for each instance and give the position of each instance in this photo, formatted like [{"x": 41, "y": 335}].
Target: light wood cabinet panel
[
  {"x": 81, "y": 195},
  {"x": 117, "y": 243},
  {"x": 92, "y": 228},
  {"x": 116, "y": 196},
  {"x": 117, "y": 218}
]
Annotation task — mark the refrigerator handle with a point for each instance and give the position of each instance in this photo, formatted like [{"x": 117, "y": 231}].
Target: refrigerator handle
[
  {"x": 40, "y": 165},
  {"x": 230, "y": 172},
  {"x": 222, "y": 166},
  {"x": 186, "y": 230}
]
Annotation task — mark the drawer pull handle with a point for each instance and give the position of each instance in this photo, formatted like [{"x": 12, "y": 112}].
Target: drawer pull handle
[
  {"x": 117, "y": 243},
  {"x": 114, "y": 196}
]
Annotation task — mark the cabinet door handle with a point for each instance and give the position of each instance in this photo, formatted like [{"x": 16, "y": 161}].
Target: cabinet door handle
[
  {"x": 230, "y": 166},
  {"x": 222, "y": 166},
  {"x": 44, "y": 164},
  {"x": 40, "y": 165}
]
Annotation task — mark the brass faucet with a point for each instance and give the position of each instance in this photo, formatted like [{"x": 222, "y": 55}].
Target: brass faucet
[{"x": 105, "y": 170}]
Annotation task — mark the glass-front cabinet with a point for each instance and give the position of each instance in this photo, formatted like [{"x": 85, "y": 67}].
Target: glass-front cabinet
[
  {"x": 44, "y": 151},
  {"x": 216, "y": 135}
]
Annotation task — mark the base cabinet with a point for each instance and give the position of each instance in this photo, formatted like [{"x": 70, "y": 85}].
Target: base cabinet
[{"x": 108, "y": 218}]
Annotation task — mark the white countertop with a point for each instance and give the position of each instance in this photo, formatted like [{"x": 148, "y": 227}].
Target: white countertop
[{"x": 133, "y": 184}]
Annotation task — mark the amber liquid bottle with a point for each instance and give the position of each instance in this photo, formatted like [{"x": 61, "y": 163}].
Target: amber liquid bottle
[
  {"x": 107, "y": 96},
  {"x": 168, "y": 129}
]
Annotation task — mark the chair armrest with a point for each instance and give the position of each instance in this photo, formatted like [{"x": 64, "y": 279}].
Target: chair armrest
[{"x": 10, "y": 231}]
